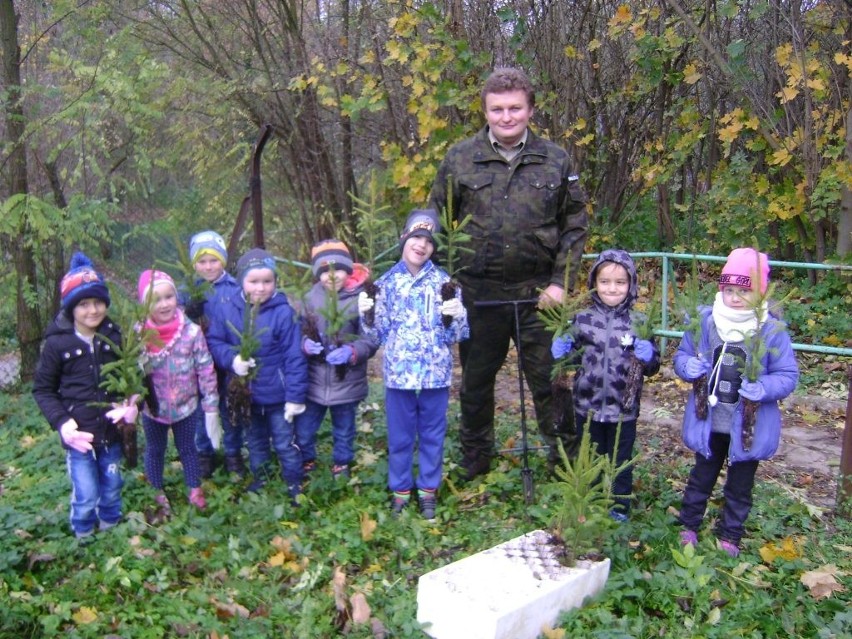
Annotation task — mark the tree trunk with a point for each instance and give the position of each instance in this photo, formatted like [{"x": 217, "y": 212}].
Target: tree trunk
[{"x": 29, "y": 327}]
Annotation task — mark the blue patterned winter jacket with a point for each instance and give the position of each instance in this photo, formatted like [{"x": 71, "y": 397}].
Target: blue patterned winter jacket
[{"x": 417, "y": 348}]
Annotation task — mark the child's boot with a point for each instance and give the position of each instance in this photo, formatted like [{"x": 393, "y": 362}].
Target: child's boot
[
  {"x": 164, "y": 508},
  {"x": 399, "y": 500},
  {"x": 428, "y": 504},
  {"x": 234, "y": 464},
  {"x": 205, "y": 465},
  {"x": 196, "y": 498}
]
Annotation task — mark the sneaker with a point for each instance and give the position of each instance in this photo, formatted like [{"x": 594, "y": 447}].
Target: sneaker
[
  {"x": 428, "y": 502},
  {"x": 205, "y": 465},
  {"x": 729, "y": 547},
  {"x": 294, "y": 490},
  {"x": 340, "y": 471},
  {"x": 234, "y": 464},
  {"x": 398, "y": 502},
  {"x": 688, "y": 538},
  {"x": 106, "y": 525},
  {"x": 163, "y": 506},
  {"x": 196, "y": 498},
  {"x": 619, "y": 516}
]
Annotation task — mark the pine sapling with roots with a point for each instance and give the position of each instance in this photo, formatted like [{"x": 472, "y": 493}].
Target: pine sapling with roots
[
  {"x": 643, "y": 327},
  {"x": 452, "y": 242},
  {"x": 688, "y": 303},
  {"x": 190, "y": 283},
  {"x": 558, "y": 320},
  {"x": 125, "y": 377},
  {"x": 335, "y": 321},
  {"x": 375, "y": 230},
  {"x": 239, "y": 388}
]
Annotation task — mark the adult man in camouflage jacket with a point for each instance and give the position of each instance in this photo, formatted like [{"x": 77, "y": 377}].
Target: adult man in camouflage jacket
[{"x": 528, "y": 220}]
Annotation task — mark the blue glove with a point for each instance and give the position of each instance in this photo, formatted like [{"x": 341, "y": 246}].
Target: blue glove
[
  {"x": 561, "y": 346},
  {"x": 311, "y": 347},
  {"x": 752, "y": 390},
  {"x": 340, "y": 355},
  {"x": 643, "y": 350},
  {"x": 696, "y": 367}
]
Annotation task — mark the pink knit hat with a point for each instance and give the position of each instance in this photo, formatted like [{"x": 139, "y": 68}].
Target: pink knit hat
[
  {"x": 743, "y": 266},
  {"x": 145, "y": 285}
]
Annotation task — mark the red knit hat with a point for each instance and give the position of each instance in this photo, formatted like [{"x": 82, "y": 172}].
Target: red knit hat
[{"x": 746, "y": 267}]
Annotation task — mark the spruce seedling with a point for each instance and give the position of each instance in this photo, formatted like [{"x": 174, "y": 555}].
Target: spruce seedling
[
  {"x": 453, "y": 241},
  {"x": 688, "y": 302},
  {"x": 239, "y": 388},
  {"x": 643, "y": 326},
  {"x": 196, "y": 288}
]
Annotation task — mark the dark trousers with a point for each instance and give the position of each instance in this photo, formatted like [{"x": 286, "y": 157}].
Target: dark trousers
[
  {"x": 738, "y": 489},
  {"x": 603, "y": 436},
  {"x": 492, "y": 330}
]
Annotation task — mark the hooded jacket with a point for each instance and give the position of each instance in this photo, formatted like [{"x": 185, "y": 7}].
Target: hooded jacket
[
  {"x": 779, "y": 378},
  {"x": 324, "y": 387},
  {"x": 282, "y": 372},
  {"x": 600, "y": 380},
  {"x": 67, "y": 382}
]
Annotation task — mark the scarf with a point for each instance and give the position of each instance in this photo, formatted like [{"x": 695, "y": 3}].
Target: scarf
[
  {"x": 166, "y": 333},
  {"x": 734, "y": 325}
]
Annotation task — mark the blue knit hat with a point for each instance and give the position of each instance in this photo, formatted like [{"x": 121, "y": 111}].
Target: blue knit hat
[
  {"x": 80, "y": 282},
  {"x": 208, "y": 243},
  {"x": 255, "y": 258}
]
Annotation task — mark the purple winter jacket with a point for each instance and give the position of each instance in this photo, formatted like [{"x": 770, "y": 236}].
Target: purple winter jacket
[{"x": 779, "y": 377}]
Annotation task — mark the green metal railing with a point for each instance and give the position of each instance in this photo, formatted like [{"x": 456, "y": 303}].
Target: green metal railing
[
  {"x": 665, "y": 331},
  {"x": 667, "y": 259}
]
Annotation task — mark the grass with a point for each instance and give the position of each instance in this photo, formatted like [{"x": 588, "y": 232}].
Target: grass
[{"x": 252, "y": 566}]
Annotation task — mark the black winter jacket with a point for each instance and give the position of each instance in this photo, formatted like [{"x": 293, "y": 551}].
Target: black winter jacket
[{"x": 68, "y": 377}]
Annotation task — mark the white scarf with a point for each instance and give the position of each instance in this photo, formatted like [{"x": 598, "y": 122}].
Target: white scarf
[{"x": 734, "y": 325}]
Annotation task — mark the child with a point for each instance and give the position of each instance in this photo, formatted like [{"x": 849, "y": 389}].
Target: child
[
  {"x": 337, "y": 381},
  {"x": 209, "y": 256},
  {"x": 66, "y": 388},
  {"x": 720, "y": 354},
  {"x": 279, "y": 387},
  {"x": 603, "y": 335},
  {"x": 180, "y": 367},
  {"x": 418, "y": 361}
]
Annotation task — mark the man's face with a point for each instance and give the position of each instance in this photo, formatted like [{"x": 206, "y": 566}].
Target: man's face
[{"x": 508, "y": 115}]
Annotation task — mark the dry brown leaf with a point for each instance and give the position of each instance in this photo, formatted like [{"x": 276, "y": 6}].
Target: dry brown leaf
[
  {"x": 338, "y": 583},
  {"x": 229, "y": 609},
  {"x": 822, "y": 581},
  {"x": 368, "y": 527},
  {"x": 360, "y": 608}
]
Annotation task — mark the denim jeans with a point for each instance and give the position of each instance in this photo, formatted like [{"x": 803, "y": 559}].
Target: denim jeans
[
  {"x": 268, "y": 423},
  {"x": 232, "y": 434},
  {"x": 95, "y": 487},
  {"x": 342, "y": 431}
]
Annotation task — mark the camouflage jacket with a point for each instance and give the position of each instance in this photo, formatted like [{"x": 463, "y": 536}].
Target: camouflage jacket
[{"x": 528, "y": 216}]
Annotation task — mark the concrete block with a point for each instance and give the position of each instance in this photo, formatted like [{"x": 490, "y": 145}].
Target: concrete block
[{"x": 510, "y": 591}]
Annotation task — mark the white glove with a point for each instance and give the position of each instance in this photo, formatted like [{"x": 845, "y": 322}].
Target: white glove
[
  {"x": 291, "y": 410},
  {"x": 241, "y": 366},
  {"x": 213, "y": 426},
  {"x": 365, "y": 302},
  {"x": 79, "y": 440},
  {"x": 453, "y": 307}
]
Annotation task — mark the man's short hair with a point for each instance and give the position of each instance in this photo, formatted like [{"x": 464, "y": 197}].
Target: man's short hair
[{"x": 506, "y": 79}]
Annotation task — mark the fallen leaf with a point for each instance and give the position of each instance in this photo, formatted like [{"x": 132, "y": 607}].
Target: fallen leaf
[
  {"x": 84, "y": 615},
  {"x": 39, "y": 558},
  {"x": 368, "y": 527},
  {"x": 360, "y": 608},
  {"x": 822, "y": 582},
  {"x": 277, "y": 559},
  {"x": 338, "y": 583},
  {"x": 553, "y": 633},
  {"x": 789, "y": 550},
  {"x": 227, "y": 610}
]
